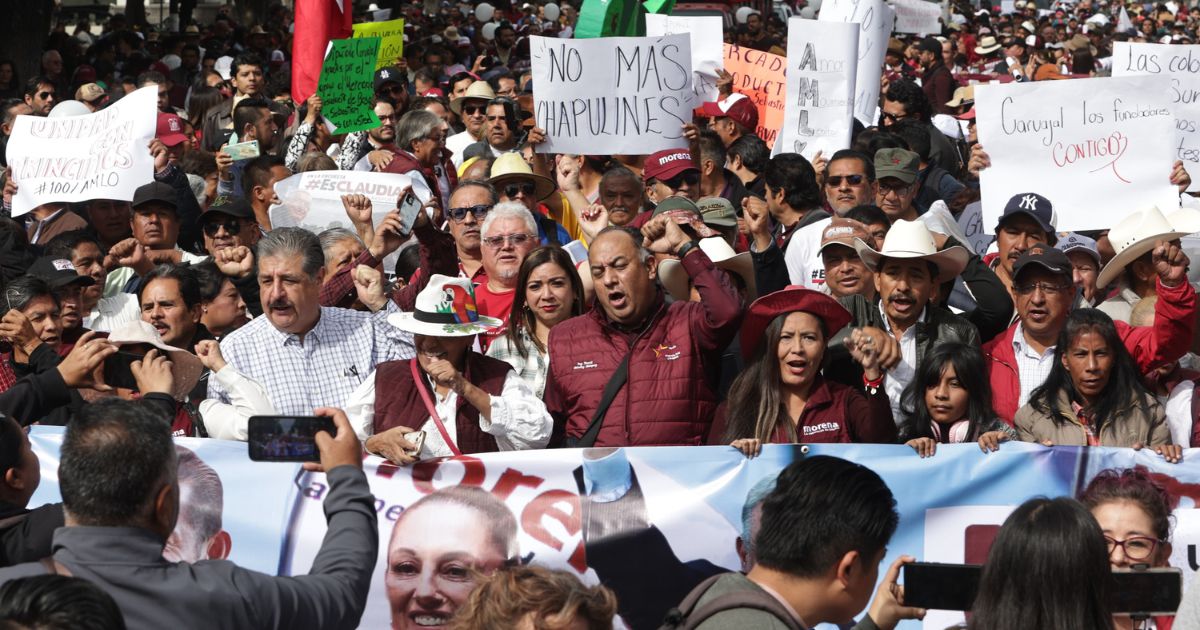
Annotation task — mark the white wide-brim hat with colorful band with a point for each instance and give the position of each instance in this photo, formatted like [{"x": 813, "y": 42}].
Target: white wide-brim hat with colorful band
[{"x": 445, "y": 308}]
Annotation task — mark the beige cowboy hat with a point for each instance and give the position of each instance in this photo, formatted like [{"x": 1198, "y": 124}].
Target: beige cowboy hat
[
  {"x": 964, "y": 94},
  {"x": 185, "y": 366},
  {"x": 445, "y": 308},
  {"x": 911, "y": 239},
  {"x": 479, "y": 91},
  {"x": 1137, "y": 233},
  {"x": 511, "y": 167},
  {"x": 675, "y": 279},
  {"x": 987, "y": 44}
]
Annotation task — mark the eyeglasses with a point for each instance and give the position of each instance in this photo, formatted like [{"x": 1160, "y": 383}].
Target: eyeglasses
[
  {"x": 511, "y": 190},
  {"x": 1046, "y": 287},
  {"x": 232, "y": 228},
  {"x": 689, "y": 177},
  {"x": 394, "y": 89},
  {"x": 899, "y": 189},
  {"x": 460, "y": 214},
  {"x": 836, "y": 180},
  {"x": 436, "y": 137},
  {"x": 471, "y": 110},
  {"x": 1134, "y": 547},
  {"x": 513, "y": 240}
]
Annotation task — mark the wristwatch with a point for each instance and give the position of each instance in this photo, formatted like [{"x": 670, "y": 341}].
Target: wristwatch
[{"x": 685, "y": 248}]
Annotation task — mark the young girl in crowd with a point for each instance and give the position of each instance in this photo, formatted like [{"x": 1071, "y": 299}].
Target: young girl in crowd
[{"x": 949, "y": 402}]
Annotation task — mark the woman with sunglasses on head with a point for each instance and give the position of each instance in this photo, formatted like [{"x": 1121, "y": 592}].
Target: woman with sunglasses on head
[
  {"x": 1094, "y": 395},
  {"x": 949, "y": 402},
  {"x": 1134, "y": 513},
  {"x": 549, "y": 291}
]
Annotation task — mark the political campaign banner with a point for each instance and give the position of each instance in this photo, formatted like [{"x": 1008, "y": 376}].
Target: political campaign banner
[
  {"x": 618, "y": 95},
  {"x": 1094, "y": 147},
  {"x": 874, "y": 19},
  {"x": 105, "y": 155},
  {"x": 391, "y": 39},
  {"x": 346, "y": 84},
  {"x": 677, "y": 511},
  {"x": 917, "y": 16},
  {"x": 762, "y": 77},
  {"x": 819, "y": 112},
  {"x": 313, "y": 200},
  {"x": 707, "y": 48},
  {"x": 1182, "y": 64}
]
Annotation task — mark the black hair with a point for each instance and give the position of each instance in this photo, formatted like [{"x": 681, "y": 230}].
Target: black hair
[
  {"x": 459, "y": 77},
  {"x": 916, "y": 136},
  {"x": 114, "y": 456},
  {"x": 912, "y": 97},
  {"x": 189, "y": 284},
  {"x": 151, "y": 76},
  {"x": 257, "y": 172},
  {"x": 11, "y": 442},
  {"x": 1048, "y": 568},
  {"x": 868, "y": 214},
  {"x": 795, "y": 175},
  {"x": 712, "y": 148},
  {"x": 198, "y": 162},
  {"x": 20, "y": 291},
  {"x": 248, "y": 112},
  {"x": 823, "y": 507},
  {"x": 522, "y": 317},
  {"x": 407, "y": 262},
  {"x": 752, "y": 150},
  {"x": 63, "y": 245},
  {"x": 426, "y": 75},
  {"x": 34, "y": 82},
  {"x": 244, "y": 60},
  {"x": 494, "y": 81},
  {"x": 1124, "y": 388},
  {"x": 850, "y": 154},
  {"x": 870, "y": 141},
  {"x": 968, "y": 364},
  {"x": 209, "y": 279},
  {"x": 58, "y": 602},
  {"x": 6, "y": 106}
]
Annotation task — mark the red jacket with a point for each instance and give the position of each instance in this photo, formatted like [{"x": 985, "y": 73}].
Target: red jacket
[
  {"x": 404, "y": 162},
  {"x": 1151, "y": 346},
  {"x": 666, "y": 399},
  {"x": 834, "y": 413}
]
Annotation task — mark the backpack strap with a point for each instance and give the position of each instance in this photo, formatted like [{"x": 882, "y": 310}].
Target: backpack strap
[
  {"x": 687, "y": 616},
  {"x": 676, "y": 617}
]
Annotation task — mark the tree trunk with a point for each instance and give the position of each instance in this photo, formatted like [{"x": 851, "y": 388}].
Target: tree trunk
[
  {"x": 135, "y": 11},
  {"x": 23, "y": 33}
]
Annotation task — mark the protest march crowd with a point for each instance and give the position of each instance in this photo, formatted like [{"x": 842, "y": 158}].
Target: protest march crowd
[{"x": 476, "y": 290}]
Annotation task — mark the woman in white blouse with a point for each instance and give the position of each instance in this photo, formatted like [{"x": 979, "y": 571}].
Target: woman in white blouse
[{"x": 454, "y": 399}]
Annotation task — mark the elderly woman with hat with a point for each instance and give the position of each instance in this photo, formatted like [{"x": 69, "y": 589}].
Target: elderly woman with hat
[
  {"x": 782, "y": 397},
  {"x": 449, "y": 400}
]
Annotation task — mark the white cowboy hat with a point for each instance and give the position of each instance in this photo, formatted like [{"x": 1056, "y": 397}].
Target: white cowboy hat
[
  {"x": 185, "y": 366},
  {"x": 986, "y": 45},
  {"x": 912, "y": 239},
  {"x": 1137, "y": 233},
  {"x": 445, "y": 308},
  {"x": 675, "y": 279}
]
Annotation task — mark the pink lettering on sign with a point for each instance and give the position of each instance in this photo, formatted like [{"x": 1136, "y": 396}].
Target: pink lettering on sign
[{"x": 1107, "y": 149}]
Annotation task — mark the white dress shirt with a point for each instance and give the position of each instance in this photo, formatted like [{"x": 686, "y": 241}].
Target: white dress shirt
[
  {"x": 905, "y": 371},
  {"x": 1032, "y": 368}
]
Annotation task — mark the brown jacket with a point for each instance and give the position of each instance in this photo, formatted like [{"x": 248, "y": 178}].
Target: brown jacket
[{"x": 1143, "y": 423}]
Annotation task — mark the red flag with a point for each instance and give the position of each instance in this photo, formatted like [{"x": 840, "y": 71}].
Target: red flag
[{"x": 317, "y": 22}]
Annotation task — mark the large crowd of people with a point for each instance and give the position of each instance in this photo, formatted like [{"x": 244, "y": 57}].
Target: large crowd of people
[{"x": 712, "y": 295}]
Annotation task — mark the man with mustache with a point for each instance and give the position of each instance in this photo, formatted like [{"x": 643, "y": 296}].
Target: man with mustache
[
  {"x": 1019, "y": 360},
  {"x": 509, "y": 233},
  {"x": 1028, "y": 219}
]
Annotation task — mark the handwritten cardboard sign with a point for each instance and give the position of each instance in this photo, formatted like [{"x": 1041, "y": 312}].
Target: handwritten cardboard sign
[
  {"x": 762, "y": 77},
  {"x": 1094, "y": 147},
  {"x": 1182, "y": 65},
  {"x": 819, "y": 112},
  {"x": 347, "y": 84},
  {"x": 707, "y": 50},
  {"x": 917, "y": 16},
  {"x": 75, "y": 158},
  {"x": 391, "y": 35},
  {"x": 618, "y": 95},
  {"x": 874, "y": 19}
]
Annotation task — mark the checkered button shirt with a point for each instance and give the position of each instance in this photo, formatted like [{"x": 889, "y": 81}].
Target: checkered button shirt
[
  {"x": 1032, "y": 369},
  {"x": 337, "y": 354}
]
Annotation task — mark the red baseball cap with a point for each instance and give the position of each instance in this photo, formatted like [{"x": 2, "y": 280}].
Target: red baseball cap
[
  {"x": 737, "y": 107},
  {"x": 170, "y": 129},
  {"x": 667, "y": 164}
]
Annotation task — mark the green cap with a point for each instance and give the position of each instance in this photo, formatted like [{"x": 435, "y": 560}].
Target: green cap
[
  {"x": 675, "y": 203},
  {"x": 717, "y": 212},
  {"x": 899, "y": 163}
]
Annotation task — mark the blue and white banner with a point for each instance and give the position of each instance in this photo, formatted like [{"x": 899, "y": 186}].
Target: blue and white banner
[{"x": 649, "y": 522}]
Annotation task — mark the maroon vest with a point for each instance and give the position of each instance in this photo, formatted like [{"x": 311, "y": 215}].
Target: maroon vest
[{"x": 398, "y": 401}]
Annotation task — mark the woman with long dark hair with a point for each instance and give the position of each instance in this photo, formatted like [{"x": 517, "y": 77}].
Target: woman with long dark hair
[
  {"x": 781, "y": 395},
  {"x": 1094, "y": 394},
  {"x": 949, "y": 402},
  {"x": 1047, "y": 570},
  {"x": 550, "y": 292}
]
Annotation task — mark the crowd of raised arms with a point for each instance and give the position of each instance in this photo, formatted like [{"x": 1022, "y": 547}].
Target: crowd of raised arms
[{"x": 719, "y": 294}]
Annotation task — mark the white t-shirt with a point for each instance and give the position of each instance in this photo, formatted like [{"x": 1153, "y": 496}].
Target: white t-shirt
[{"x": 803, "y": 256}]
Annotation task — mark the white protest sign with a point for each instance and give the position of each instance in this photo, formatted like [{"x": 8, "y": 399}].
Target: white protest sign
[
  {"x": 1094, "y": 147},
  {"x": 917, "y": 16},
  {"x": 1008, "y": 6},
  {"x": 313, "y": 200},
  {"x": 75, "y": 158},
  {"x": 612, "y": 95},
  {"x": 707, "y": 48},
  {"x": 875, "y": 27},
  {"x": 819, "y": 111},
  {"x": 1182, "y": 65}
]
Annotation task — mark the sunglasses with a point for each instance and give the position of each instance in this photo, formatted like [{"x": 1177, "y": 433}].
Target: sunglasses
[
  {"x": 691, "y": 178},
  {"x": 893, "y": 117},
  {"x": 471, "y": 110},
  {"x": 460, "y": 214},
  {"x": 511, "y": 190},
  {"x": 836, "y": 180},
  {"x": 45, "y": 95},
  {"x": 232, "y": 228}
]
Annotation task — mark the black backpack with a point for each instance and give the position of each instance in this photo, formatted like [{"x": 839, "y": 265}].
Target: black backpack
[{"x": 687, "y": 617}]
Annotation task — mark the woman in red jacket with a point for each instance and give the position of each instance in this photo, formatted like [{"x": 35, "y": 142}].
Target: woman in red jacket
[{"x": 781, "y": 396}]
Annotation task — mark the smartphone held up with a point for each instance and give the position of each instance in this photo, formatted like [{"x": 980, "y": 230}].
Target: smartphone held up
[{"x": 287, "y": 438}]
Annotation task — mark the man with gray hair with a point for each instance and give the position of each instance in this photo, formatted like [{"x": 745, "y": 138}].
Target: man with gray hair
[
  {"x": 198, "y": 533},
  {"x": 508, "y": 234},
  {"x": 422, "y": 155},
  {"x": 304, "y": 354}
]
